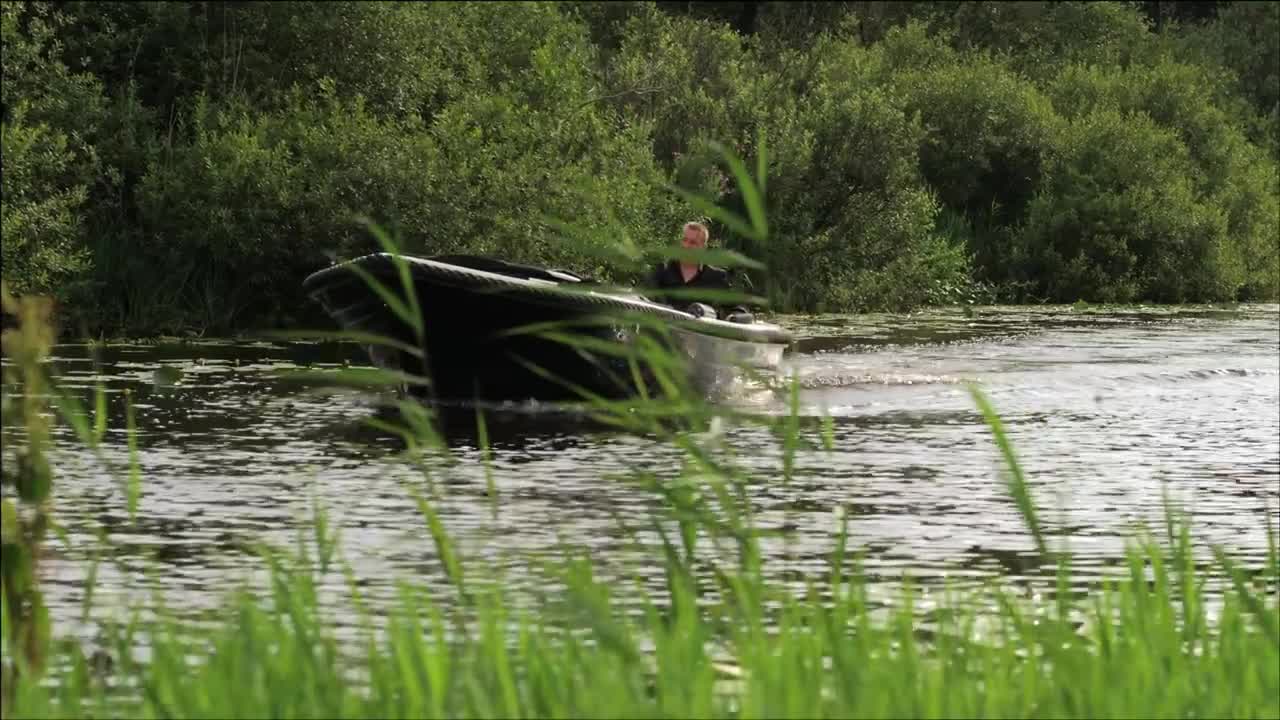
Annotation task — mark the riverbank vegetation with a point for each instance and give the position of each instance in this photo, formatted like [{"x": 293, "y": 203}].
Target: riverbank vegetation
[{"x": 180, "y": 167}]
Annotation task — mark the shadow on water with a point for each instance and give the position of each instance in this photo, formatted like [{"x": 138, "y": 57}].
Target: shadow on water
[{"x": 505, "y": 426}]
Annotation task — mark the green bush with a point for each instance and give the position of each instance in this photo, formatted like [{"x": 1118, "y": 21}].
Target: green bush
[
  {"x": 852, "y": 223},
  {"x": 1252, "y": 201},
  {"x": 42, "y": 231},
  {"x": 687, "y": 78},
  {"x": 36, "y": 77},
  {"x": 1243, "y": 44},
  {"x": 533, "y": 144},
  {"x": 50, "y": 118},
  {"x": 234, "y": 220},
  {"x": 1119, "y": 219},
  {"x": 256, "y": 200},
  {"x": 906, "y": 143},
  {"x": 986, "y": 135},
  {"x": 1227, "y": 174},
  {"x": 507, "y": 175},
  {"x": 177, "y": 50},
  {"x": 1173, "y": 95},
  {"x": 1039, "y": 38}
]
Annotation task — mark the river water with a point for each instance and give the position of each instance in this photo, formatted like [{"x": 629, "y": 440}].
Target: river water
[{"x": 1109, "y": 409}]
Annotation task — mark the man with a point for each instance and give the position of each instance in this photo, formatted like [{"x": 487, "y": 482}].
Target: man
[{"x": 683, "y": 274}]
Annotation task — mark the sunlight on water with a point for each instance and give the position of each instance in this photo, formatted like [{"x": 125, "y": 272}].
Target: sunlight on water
[{"x": 1107, "y": 409}]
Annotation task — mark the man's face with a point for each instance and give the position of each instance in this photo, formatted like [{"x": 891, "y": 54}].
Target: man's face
[{"x": 692, "y": 239}]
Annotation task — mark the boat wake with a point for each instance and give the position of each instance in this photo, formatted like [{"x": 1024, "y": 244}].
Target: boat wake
[
  {"x": 1207, "y": 374},
  {"x": 819, "y": 381}
]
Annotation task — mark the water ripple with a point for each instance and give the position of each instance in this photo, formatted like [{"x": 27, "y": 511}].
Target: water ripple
[{"x": 1109, "y": 411}]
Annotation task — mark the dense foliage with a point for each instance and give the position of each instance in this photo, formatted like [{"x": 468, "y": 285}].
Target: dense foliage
[{"x": 181, "y": 166}]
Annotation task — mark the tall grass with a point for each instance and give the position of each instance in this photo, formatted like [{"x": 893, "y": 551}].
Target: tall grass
[
  {"x": 717, "y": 640},
  {"x": 718, "y": 637}
]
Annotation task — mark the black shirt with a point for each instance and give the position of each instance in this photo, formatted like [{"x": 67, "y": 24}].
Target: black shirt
[{"x": 709, "y": 277}]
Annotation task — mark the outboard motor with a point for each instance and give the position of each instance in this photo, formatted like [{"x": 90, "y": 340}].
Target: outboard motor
[{"x": 701, "y": 310}]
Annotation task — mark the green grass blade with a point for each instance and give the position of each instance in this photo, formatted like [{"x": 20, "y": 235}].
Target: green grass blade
[
  {"x": 1017, "y": 485},
  {"x": 133, "y": 488},
  {"x": 1268, "y": 619},
  {"x": 750, "y": 193},
  {"x": 486, "y": 460},
  {"x": 99, "y": 413}
]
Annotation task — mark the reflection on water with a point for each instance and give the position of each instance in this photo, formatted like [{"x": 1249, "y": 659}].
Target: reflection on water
[{"x": 1108, "y": 410}]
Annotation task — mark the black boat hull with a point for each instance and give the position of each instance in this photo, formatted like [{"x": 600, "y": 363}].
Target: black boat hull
[{"x": 480, "y": 343}]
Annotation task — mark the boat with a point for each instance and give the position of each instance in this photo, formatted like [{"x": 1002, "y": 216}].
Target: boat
[{"x": 484, "y": 338}]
